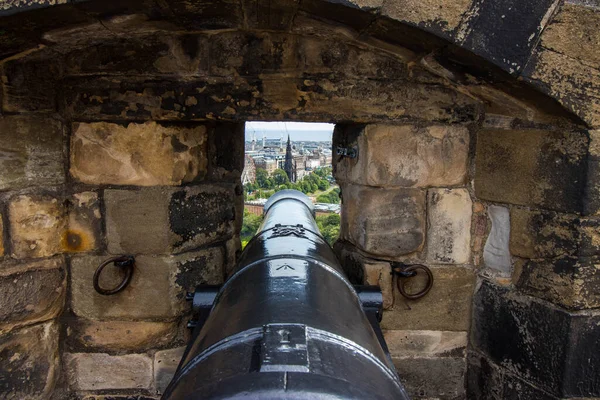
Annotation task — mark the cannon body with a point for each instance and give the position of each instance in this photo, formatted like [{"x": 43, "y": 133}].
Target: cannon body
[{"x": 287, "y": 324}]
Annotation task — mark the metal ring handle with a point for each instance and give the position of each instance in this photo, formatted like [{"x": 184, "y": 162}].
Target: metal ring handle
[
  {"x": 123, "y": 262},
  {"x": 418, "y": 295}
]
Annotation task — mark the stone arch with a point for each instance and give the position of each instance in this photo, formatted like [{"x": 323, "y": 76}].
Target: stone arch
[{"x": 449, "y": 80}]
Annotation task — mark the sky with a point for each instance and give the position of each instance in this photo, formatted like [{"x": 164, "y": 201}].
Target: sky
[{"x": 298, "y": 130}]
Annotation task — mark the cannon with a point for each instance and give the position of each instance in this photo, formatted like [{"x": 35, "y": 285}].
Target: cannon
[{"x": 287, "y": 324}]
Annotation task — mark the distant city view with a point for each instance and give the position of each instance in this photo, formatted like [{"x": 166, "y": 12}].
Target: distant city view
[{"x": 290, "y": 155}]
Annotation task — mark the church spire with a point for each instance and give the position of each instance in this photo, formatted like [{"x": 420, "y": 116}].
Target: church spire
[{"x": 289, "y": 161}]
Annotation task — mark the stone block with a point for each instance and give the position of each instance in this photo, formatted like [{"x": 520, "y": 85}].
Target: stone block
[
  {"x": 573, "y": 31},
  {"x": 30, "y": 363},
  {"x": 575, "y": 85},
  {"x": 100, "y": 371},
  {"x": 484, "y": 379},
  {"x": 383, "y": 222},
  {"x": 84, "y": 223},
  {"x": 200, "y": 215},
  {"x": 120, "y": 335},
  {"x": 36, "y": 225},
  {"x": 226, "y": 149},
  {"x": 403, "y": 155},
  {"x": 547, "y": 346},
  {"x": 449, "y": 214},
  {"x": 489, "y": 30},
  {"x": 531, "y": 167},
  {"x": 541, "y": 234},
  {"x": 428, "y": 15},
  {"x": 572, "y": 283},
  {"x": 157, "y": 288},
  {"x": 403, "y": 344},
  {"x": 379, "y": 273},
  {"x": 165, "y": 365},
  {"x": 265, "y": 14},
  {"x": 29, "y": 83},
  {"x": 31, "y": 292},
  {"x": 166, "y": 220},
  {"x": 31, "y": 152},
  {"x": 439, "y": 377},
  {"x": 163, "y": 54},
  {"x": 351, "y": 260},
  {"x": 447, "y": 307},
  {"x": 233, "y": 249},
  {"x": 496, "y": 252},
  {"x": 146, "y": 154},
  {"x": 312, "y": 98}
]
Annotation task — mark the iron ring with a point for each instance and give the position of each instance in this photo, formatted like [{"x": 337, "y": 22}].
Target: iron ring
[
  {"x": 124, "y": 262},
  {"x": 418, "y": 295}
]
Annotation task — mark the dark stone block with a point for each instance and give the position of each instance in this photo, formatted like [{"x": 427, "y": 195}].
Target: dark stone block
[
  {"x": 226, "y": 151},
  {"x": 531, "y": 167},
  {"x": 484, "y": 380},
  {"x": 442, "y": 378},
  {"x": 591, "y": 198},
  {"x": 505, "y": 32},
  {"x": 582, "y": 378},
  {"x": 527, "y": 337},
  {"x": 207, "y": 14},
  {"x": 546, "y": 351},
  {"x": 268, "y": 14},
  {"x": 514, "y": 388},
  {"x": 411, "y": 37},
  {"x": 341, "y": 12}
]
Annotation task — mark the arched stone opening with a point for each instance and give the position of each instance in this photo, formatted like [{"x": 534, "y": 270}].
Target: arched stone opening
[{"x": 121, "y": 121}]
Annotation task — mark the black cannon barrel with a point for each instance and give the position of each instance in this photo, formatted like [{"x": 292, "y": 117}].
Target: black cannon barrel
[{"x": 287, "y": 324}]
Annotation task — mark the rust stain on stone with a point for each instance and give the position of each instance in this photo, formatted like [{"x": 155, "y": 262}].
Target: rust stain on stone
[{"x": 75, "y": 241}]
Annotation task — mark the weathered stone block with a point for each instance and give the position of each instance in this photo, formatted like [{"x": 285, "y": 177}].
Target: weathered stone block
[
  {"x": 574, "y": 32},
  {"x": 532, "y": 168},
  {"x": 484, "y": 379},
  {"x": 265, "y": 14},
  {"x": 120, "y": 335},
  {"x": 156, "y": 290},
  {"x": 591, "y": 201},
  {"x": 204, "y": 214},
  {"x": 30, "y": 363},
  {"x": 84, "y": 224},
  {"x": 162, "y": 54},
  {"x": 138, "y": 154},
  {"x": 404, "y": 343},
  {"x": 98, "y": 371},
  {"x": 447, "y": 307},
  {"x": 573, "y": 283},
  {"x": 490, "y": 33},
  {"x": 496, "y": 252},
  {"x": 574, "y": 84},
  {"x": 449, "y": 214},
  {"x": 164, "y": 220},
  {"x": 29, "y": 84},
  {"x": 437, "y": 377},
  {"x": 403, "y": 155},
  {"x": 380, "y": 274},
  {"x": 31, "y": 292},
  {"x": 165, "y": 365},
  {"x": 398, "y": 230},
  {"x": 547, "y": 346},
  {"x": 31, "y": 152},
  {"x": 312, "y": 98},
  {"x": 36, "y": 225},
  {"x": 226, "y": 149},
  {"x": 539, "y": 234},
  {"x": 233, "y": 249},
  {"x": 429, "y": 15}
]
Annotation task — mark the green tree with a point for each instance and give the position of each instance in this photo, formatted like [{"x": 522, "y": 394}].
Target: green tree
[
  {"x": 329, "y": 225},
  {"x": 280, "y": 177},
  {"x": 261, "y": 177}
]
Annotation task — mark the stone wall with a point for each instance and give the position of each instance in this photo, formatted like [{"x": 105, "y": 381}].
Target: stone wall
[
  {"x": 476, "y": 126},
  {"x": 76, "y": 193}
]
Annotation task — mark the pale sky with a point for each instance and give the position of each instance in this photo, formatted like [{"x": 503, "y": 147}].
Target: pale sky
[{"x": 298, "y": 130}]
